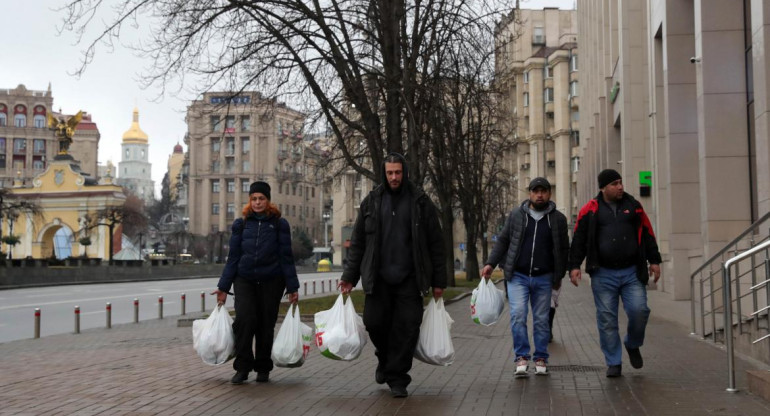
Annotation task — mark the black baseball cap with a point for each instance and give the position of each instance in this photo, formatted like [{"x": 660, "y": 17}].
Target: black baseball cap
[{"x": 541, "y": 182}]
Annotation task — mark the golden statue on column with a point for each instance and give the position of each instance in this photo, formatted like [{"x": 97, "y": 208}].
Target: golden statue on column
[{"x": 64, "y": 130}]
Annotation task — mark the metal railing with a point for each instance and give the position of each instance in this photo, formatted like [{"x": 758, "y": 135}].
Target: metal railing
[{"x": 749, "y": 256}]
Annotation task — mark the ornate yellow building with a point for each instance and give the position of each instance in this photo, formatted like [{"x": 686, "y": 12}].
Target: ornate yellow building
[{"x": 66, "y": 199}]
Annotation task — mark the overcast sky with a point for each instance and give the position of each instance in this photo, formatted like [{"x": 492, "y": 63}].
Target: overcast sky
[{"x": 35, "y": 55}]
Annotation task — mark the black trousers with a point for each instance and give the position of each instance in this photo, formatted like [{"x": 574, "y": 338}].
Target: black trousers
[
  {"x": 256, "y": 310},
  {"x": 392, "y": 316}
]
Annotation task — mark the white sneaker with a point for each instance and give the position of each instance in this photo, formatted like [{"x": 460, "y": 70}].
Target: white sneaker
[
  {"x": 521, "y": 367},
  {"x": 540, "y": 367}
]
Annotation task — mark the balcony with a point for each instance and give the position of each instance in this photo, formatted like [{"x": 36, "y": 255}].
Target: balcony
[
  {"x": 283, "y": 154},
  {"x": 296, "y": 154},
  {"x": 297, "y": 177},
  {"x": 281, "y": 175}
]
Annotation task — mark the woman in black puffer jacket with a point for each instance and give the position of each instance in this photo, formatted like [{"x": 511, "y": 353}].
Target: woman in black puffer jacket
[{"x": 261, "y": 265}]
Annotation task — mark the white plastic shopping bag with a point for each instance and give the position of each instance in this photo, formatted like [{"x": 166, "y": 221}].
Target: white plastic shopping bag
[
  {"x": 340, "y": 332},
  {"x": 292, "y": 344},
  {"x": 435, "y": 344},
  {"x": 213, "y": 337},
  {"x": 487, "y": 303}
]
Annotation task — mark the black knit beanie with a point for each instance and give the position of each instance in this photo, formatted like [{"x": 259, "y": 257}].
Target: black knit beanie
[
  {"x": 607, "y": 176},
  {"x": 261, "y": 187}
]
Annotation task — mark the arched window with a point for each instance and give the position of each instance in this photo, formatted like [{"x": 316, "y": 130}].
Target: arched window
[
  {"x": 3, "y": 120},
  {"x": 39, "y": 121},
  {"x": 62, "y": 243},
  {"x": 20, "y": 120}
]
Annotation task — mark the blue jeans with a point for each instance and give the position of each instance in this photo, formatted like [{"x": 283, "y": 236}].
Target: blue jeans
[
  {"x": 608, "y": 285},
  {"x": 524, "y": 290}
]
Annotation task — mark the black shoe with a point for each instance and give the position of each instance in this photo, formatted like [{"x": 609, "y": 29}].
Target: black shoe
[
  {"x": 379, "y": 377},
  {"x": 263, "y": 377},
  {"x": 239, "y": 377},
  {"x": 398, "y": 391},
  {"x": 614, "y": 371},
  {"x": 636, "y": 357}
]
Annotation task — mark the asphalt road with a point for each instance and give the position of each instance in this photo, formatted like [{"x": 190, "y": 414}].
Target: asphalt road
[{"x": 57, "y": 303}]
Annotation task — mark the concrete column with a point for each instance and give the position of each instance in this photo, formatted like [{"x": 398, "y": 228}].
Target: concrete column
[
  {"x": 760, "y": 37},
  {"x": 722, "y": 128}
]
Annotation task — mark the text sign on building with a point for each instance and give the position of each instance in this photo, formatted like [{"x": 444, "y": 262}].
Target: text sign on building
[{"x": 244, "y": 99}]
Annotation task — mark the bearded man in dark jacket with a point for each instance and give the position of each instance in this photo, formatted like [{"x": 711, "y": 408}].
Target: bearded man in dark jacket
[
  {"x": 396, "y": 250},
  {"x": 614, "y": 236}
]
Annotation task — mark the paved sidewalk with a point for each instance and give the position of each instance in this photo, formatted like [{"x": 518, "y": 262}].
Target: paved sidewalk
[{"x": 150, "y": 368}]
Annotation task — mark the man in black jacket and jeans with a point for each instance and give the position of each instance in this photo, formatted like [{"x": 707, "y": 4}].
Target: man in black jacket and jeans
[
  {"x": 615, "y": 237},
  {"x": 533, "y": 246},
  {"x": 396, "y": 250}
]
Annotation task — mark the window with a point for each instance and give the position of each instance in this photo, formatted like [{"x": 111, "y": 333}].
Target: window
[
  {"x": 575, "y": 164},
  {"x": 575, "y": 138},
  {"x": 20, "y": 120},
  {"x": 230, "y": 123},
  {"x": 246, "y": 168},
  {"x": 547, "y": 72},
  {"x": 215, "y": 145},
  {"x": 573, "y": 63},
  {"x": 538, "y": 36},
  {"x": 548, "y": 95},
  {"x": 128, "y": 154},
  {"x": 230, "y": 210},
  {"x": 230, "y": 186},
  {"x": 2, "y": 152},
  {"x": 215, "y": 166},
  {"x": 2, "y": 161},
  {"x": 525, "y": 98},
  {"x": 216, "y": 125},
  {"x": 230, "y": 146},
  {"x": 245, "y": 123},
  {"x": 3, "y": 120},
  {"x": 215, "y": 186},
  {"x": 313, "y": 192},
  {"x": 215, "y": 209},
  {"x": 300, "y": 191},
  {"x": 142, "y": 152},
  {"x": 19, "y": 146},
  {"x": 230, "y": 165},
  {"x": 38, "y": 146},
  {"x": 39, "y": 121},
  {"x": 576, "y": 116},
  {"x": 38, "y": 164},
  {"x": 573, "y": 88},
  {"x": 245, "y": 145},
  {"x": 526, "y": 77},
  {"x": 245, "y": 186}
]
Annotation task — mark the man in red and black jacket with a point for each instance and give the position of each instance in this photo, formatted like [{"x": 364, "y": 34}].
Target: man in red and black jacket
[{"x": 614, "y": 235}]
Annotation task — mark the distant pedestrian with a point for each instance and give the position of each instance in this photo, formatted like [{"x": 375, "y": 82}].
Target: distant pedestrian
[
  {"x": 261, "y": 264},
  {"x": 534, "y": 246},
  {"x": 614, "y": 235},
  {"x": 397, "y": 251}
]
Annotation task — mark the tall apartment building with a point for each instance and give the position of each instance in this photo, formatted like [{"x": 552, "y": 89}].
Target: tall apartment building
[
  {"x": 134, "y": 168},
  {"x": 677, "y": 101},
  {"x": 235, "y": 140},
  {"x": 27, "y": 145},
  {"x": 536, "y": 69}
]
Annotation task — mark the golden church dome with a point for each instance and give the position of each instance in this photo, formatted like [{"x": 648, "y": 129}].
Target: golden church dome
[{"x": 135, "y": 133}]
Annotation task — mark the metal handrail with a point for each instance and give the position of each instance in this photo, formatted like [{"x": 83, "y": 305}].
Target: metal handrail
[
  {"x": 728, "y": 315},
  {"x": 727, "y": 246}
]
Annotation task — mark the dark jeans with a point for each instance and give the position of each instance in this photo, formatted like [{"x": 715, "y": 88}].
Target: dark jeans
[
  {"x": 256, "y": 310},
  {"x": 392, "y": 315}
]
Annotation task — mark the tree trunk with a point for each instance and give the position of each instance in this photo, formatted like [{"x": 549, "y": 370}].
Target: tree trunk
[
  {"x": 447, "y": 221},
  {"x": 472, "y": 261}
]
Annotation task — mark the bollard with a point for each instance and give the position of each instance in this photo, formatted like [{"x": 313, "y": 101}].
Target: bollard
[
  {"x": 330, "y": 285},
  {"x": 183, "y": 303},
  {"x": 314, "y": 287},
  {"x": 109, "y": 315},
  {"x": 160, "y": 307},
  {"x": 305, "y": 289},
  {"x": 77, "y": 319},
  {"x": 37, "y": 322},
  {"x": 203, "y": 301},
  {"x": 136, "y": 310},
  {"x": 323, "y": 286}
]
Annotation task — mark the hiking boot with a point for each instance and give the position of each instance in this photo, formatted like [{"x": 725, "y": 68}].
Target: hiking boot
[
  {"x": 379, "y": 377},
  {"x": 521, "y": 367},
  {"x": 614, "y": 371},
  {"x": 635, "y": 357},
  {"x": 239, "y": 377},
  {"x": 540, "y": 367},
  {"x": 263, "y": 377}
]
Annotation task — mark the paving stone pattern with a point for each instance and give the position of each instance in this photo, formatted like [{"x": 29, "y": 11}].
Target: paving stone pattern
[{"x": 150, "y": 368}]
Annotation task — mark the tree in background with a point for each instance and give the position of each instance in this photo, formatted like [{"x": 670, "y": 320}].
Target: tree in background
[{"x": 301, "y": 246}]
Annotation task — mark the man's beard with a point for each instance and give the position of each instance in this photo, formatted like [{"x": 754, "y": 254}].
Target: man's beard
[{"x": 539, "y": 206}]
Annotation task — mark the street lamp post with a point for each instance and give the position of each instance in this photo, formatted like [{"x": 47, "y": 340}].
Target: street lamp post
[{"x": 326, "y": 216}]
